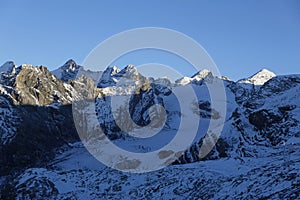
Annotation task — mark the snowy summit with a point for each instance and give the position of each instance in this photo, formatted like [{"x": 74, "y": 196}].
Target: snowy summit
[{"x": 259, "y": 78}]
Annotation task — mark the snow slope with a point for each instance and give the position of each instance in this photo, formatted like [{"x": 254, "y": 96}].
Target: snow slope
[{"x": 274, "y": 176}]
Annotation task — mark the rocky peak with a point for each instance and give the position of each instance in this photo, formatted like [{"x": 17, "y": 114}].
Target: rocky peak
[
  {"x": 125, "y": 77},
  {"x": 130, "y": 67},
  {"x": 68, "y": 71},
  {"x": 197, "y": 78},
  {"x": 110, "y": 71},
  {"x": 107, "y": 77},
  {"x": 7, "y": 67},
  {"x": 70, "y": 65},
  {"x": 130, "y": 71},
  {"x": 8, "y": 71},
  {"x": 205, "y": 73}
]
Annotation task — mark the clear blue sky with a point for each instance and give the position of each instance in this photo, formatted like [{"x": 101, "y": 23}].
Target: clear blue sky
[{"x": 241, "y": 36}]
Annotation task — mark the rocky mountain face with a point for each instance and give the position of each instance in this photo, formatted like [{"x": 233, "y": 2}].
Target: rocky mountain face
[
  {"x": 256, "y": 156},
  {"x": 36, "y": 116}
]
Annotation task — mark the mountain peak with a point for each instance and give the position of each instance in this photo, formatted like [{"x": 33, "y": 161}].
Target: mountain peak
[
  {"x": 7, "y": 67},
  {"x": 128, "y": 71},
  {"x": 259, "y": 78},
  {"x": 112, "y": 70},
  {"x": 70, "y": 61},
  {"x": 68, "y": 71},
  {"x": 8, "y": 63},
  {"x": 109, "y": 72},
  {"x": 130, "y": 68},
  {"x": 71, "y": 65},
  {"x": 264, "y": 72},
  {"x": 202, "y": 74}
]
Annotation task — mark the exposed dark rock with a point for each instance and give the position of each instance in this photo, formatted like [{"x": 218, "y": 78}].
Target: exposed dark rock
[{"x": 39, "y": 131}]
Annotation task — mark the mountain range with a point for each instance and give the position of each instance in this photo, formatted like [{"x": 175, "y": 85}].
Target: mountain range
[{"x": 42, "y": 157}]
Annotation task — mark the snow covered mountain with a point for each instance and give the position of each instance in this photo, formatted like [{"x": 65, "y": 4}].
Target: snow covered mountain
[
  {"x": 256, "y": 157},
  {"x": 259, "y": 78}
]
